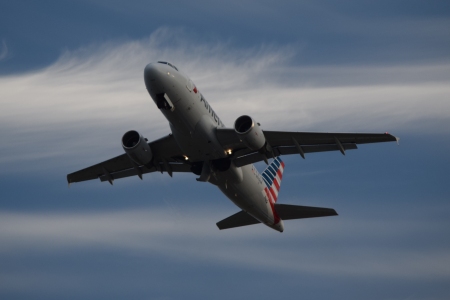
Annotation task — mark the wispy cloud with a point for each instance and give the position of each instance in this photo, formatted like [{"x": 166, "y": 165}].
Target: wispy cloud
[
  {"x": 150, "y": 232},
  {"x": 3, "y": 51},
  {"x": 89, "y": 97}
]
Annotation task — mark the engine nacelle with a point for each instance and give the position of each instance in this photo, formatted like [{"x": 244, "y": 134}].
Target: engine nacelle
[
  {"x": 249, "y": 132},
  {"x": 136, "y": 147}
]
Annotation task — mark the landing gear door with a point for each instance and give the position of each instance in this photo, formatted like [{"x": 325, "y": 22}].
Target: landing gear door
[{"x": 163, "y": 102}]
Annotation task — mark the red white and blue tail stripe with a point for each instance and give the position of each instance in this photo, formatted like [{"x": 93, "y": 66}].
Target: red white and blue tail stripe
[{"x": 272, "y": 176}]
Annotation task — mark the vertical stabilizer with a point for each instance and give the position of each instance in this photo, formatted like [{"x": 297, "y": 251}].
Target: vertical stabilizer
[{"x": 272, "y": 176}]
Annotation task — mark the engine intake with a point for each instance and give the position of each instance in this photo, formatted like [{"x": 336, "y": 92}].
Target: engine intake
[
  {"x": 249, "y": 132},
  {"x": 136, "y": 147}
]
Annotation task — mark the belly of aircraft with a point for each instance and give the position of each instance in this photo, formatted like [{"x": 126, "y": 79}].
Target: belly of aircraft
[
  {"x": 194, "y": 131},
  {"x": 248, "y": 195}
]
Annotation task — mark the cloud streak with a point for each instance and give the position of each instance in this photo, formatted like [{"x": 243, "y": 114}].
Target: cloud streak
[
  {"x": 3, "y": 51},
  {"x": 89, "y": 97},
  {"x": 151, "y": 232}
]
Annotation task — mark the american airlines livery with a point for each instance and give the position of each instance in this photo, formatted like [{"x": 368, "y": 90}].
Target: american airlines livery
[{"x": 200, "y": 143}]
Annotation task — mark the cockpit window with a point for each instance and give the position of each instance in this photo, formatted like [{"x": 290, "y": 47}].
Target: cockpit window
[
  {"x": 166, "y": 63},
  {"x": 172, "y": 66}
]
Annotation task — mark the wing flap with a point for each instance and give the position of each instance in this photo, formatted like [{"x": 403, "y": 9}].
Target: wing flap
[
  {"x": 237, "y": 220},
  {"x": 257, "y": 157},
  {"x": 315, "y": 148},
  {"x": 175, "y": 167},
  {"x": 290, "y": 212}
]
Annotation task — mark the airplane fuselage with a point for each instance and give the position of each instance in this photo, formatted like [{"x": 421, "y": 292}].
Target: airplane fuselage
[{"x": 193, "y": 123}]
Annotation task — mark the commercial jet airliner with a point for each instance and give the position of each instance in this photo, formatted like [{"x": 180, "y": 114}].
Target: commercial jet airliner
[{"x": 200, "y": 143}]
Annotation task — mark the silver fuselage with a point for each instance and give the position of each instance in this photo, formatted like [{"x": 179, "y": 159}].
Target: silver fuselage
[{"x": 193, "y": 123}]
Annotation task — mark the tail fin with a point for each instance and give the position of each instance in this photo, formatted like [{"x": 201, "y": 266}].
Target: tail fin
[{"x": 272, "y": 176}]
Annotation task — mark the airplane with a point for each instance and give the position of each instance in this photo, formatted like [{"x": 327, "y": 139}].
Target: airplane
[{"x": 200, "y": 143}]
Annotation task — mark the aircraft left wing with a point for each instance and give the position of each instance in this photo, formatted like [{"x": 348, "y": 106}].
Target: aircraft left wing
[
  {"x": 284, "y": 143},
  {"x": 167, "y": 157}
]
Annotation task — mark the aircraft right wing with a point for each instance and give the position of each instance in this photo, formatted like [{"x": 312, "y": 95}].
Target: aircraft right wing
[
  {"x": 167, "y": 157},
  {"x": 284, "y": 143}
]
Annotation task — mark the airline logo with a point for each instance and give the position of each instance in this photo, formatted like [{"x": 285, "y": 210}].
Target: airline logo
[{"x": 272, "y": 176}]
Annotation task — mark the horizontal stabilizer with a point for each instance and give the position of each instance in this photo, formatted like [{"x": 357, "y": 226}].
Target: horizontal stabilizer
[
  {"x": 237, "y": 220},
  {"x": 289, "y": 212},
  {"x": 285, "y": 212}
]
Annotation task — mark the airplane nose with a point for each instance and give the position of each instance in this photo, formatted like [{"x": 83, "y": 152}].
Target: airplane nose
[
  {"x": 150, "y": 70},
  {"x": 152, "y": 74}
]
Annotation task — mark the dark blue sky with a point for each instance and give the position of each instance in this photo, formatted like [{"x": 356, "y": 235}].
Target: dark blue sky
[
  {"x": 71, "y": 84},
  {"x": 326, "y": 32}
]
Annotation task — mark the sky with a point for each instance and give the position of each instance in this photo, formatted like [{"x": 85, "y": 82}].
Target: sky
[{"x": 71, "y": 84}]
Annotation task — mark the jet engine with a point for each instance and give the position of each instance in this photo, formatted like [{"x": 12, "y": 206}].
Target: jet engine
[
  {"x": 249, "y": 132},
  {"x": 137, "y": 147}
]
